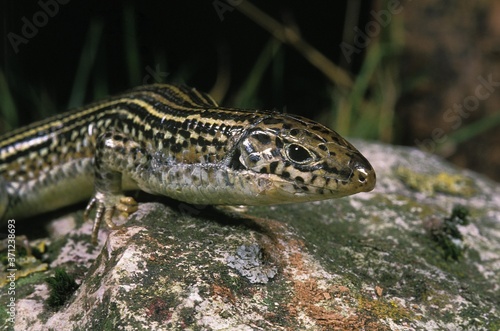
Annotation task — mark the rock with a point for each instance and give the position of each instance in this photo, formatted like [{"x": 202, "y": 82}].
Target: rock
[{"x": 392, "y": 259}]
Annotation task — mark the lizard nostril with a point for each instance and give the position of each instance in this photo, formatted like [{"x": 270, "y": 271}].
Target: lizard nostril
[
  {"x": 363, "y": 172},
  {"x": 361, "y": 177}
]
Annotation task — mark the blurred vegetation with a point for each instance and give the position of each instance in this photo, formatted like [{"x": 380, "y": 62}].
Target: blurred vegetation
[
  {"x": 8, "y": 114},
  {"x": 362, "y": 107}
]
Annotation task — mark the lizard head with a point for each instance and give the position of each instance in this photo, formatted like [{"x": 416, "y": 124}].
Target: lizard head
[{"x": 301, "y": 160}]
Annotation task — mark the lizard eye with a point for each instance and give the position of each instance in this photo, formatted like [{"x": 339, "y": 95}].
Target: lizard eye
[{"x": 298, "y": 154}]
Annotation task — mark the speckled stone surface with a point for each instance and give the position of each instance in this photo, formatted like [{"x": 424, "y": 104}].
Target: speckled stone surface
[{"x": 370, "y": 261}]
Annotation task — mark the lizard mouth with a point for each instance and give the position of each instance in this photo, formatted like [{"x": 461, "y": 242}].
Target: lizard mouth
[{"x": 359, "y": 176}]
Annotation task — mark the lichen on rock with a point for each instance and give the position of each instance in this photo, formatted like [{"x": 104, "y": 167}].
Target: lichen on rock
[{"x": 373, "y": 261}]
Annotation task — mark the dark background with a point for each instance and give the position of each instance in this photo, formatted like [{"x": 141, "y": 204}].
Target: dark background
[
  {"x": 189, "y": 37},
  {"x": 426, "y": 59}
]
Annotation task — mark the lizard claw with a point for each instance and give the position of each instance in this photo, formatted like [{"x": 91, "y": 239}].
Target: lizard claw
[
  {"x": 105, "y": 208},
  {"x": 127, "y": 205}
]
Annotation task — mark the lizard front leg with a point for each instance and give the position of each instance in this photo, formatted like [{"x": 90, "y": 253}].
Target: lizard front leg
[{"x": 116, "y": 155}]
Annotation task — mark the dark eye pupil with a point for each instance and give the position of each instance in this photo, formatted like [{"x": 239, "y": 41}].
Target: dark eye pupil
[{"x": 298, "y": 154}]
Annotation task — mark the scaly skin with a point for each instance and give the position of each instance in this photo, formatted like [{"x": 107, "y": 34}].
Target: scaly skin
[{"x": 173, "y": 141}]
